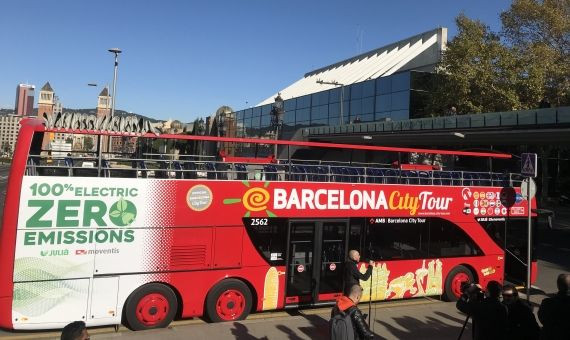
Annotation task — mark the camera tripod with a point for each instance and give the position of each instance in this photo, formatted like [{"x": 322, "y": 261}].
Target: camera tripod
[{"x": 463, "y": 328}]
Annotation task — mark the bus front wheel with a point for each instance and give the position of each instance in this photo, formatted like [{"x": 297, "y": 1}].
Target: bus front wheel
[
  {"x": 229, "y": 300},
  {"x": 153, "y": 305},
  {"x": 458, "y": 276}
]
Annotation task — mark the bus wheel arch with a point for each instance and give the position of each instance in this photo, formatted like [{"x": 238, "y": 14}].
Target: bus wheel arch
[
  {"x": 152, "y": 305},
  {"x": 456, "y": 276},
  {"x": 231, "y": 299}
]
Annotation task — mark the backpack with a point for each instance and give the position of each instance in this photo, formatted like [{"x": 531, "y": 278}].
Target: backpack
[{"x": 340, "y": 326}]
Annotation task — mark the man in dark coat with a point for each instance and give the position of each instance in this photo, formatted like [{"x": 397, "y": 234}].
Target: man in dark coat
[
  {"x": 521, "y": 322},
  {"x": 352, "y": 275},
  {"x": 554, "y": 312},
  {"x": 489, "y": 314},
  {"x": 347, "y": 305}
]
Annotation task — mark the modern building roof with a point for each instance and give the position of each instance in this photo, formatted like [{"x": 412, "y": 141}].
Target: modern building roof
[
  {"x": 47, "y": 87},
  {"x": 420, "y": 52}
]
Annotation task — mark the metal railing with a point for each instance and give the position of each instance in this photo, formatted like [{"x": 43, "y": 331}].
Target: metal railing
[{"x": 206, "y": 168}]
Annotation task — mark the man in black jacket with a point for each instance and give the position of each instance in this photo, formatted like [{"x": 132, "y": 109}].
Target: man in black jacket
[
  {"x": 352, "y": 275},
  {"x": 521, "y": 322},
  {"x": 554, "y": 312},
  {"x": 347, "y": 305},
  {"x": 489, "y": 314}
]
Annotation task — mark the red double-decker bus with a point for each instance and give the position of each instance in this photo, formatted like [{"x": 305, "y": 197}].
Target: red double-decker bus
[{"x": 157, "y": 230}]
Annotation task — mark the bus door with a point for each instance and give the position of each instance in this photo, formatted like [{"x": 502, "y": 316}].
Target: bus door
[
  {"x": 515, "y": 246},
  {"x": 316, "y": 254}
]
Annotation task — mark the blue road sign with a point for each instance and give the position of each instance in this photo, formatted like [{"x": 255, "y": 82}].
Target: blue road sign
[{"x": 529, "y": 164}]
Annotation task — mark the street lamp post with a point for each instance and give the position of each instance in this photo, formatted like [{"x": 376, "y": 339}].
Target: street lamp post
[
  {"x": 336, "y": 83},
  {"x": 116, "y": 51},
  {"x": 277, "y": 118}
]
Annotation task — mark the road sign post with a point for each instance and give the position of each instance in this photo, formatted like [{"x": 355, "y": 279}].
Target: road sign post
[{"x": 529, "y": 168}]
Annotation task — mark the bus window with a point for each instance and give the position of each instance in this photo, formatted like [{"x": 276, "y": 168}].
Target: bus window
[
  {"x": 355, "y": 234},
  {"x": 448, "y": 240},
  {"x": 269, "y": 236},
  {"x": 396, "y": 238},
  {"x": 517, "y": 230}
]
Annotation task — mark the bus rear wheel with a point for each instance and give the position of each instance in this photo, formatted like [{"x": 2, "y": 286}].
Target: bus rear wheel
[
  {"x": 151, "y": 306},
  {"x": 229, "y": 300},
  {"x": 458, "y": 276}
]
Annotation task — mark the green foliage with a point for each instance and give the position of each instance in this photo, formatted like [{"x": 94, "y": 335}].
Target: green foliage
[
  {"x": 528, "y": 61},
  {"x": 539, "y": 31}
]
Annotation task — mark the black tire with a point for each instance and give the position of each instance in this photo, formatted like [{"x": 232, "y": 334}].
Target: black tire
[
  {"x": 153, "y": 305},
  {"x": 229, "y": 300},
  {"x": 456, "y": 277}
]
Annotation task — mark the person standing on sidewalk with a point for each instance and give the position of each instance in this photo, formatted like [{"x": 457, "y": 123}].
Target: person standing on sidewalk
[
  {"x": 554, "y": 312},
  {"x": 352, "y": 275},
  {"x": 489, "y": 315},
  {"x": 347, "y": 321},
  {"x": 521, "y": 322}
]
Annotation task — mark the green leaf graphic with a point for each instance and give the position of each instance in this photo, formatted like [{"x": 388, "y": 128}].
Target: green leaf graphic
[
  {"x": 122, "y": 205},
  {"x": 128, "y": 218},
  {"x": 115, "y": 213},
  {"x": 232, "y": 200}
]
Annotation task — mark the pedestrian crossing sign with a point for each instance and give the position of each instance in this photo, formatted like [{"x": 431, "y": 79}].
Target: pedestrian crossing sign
[{"x": 529, "y": 164}]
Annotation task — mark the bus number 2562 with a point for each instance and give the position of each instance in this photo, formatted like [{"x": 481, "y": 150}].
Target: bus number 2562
[{"x": 258, "y": 221}]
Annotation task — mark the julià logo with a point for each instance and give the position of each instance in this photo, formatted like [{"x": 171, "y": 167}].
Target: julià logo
[{"x": 54, "y": 252}]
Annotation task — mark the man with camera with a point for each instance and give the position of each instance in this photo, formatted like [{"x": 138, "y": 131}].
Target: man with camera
[
  {"x": 488, "y": 313},
  {"x": 521, "y": 320}
]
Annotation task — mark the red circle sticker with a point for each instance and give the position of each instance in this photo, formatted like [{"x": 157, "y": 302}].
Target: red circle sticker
[
  {"x": 332, "y": 266},
  {"x": 301, "y": 268}
]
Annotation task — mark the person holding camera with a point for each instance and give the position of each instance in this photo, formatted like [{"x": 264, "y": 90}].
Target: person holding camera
[
  {"x": 488, "y": 313},
  {"x": 521, "y": 322}
]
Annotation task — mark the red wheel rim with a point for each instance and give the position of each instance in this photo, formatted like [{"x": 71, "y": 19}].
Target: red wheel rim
[
  {"x": 457, "y": 281},
  {"x": 152, "y": 309},
  {"x": 230, "y": 305}
]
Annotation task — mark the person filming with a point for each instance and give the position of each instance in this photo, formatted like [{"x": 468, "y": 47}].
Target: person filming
[{"x": 488, "y": 313}]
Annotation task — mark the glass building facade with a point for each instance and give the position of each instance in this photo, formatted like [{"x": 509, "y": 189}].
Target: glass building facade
[{"x": 399, "y": 96}]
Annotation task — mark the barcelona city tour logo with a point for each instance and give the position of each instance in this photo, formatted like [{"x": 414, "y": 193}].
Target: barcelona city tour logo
[{"x": 255, "y": 199}]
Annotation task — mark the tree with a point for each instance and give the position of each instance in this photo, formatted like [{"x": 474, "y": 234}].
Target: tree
[
  {"x": 539, "y": 31},
  {"x": 528, "y": 61},
  {"x": 478, "y": 72},
  {"x": 88, "y": 144}
]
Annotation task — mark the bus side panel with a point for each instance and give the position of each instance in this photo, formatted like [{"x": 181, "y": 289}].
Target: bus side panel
[
  {"x": 10, "y": 221},
  {"x": 47, "y": 302},
  {"x": 402, "y": 279}
]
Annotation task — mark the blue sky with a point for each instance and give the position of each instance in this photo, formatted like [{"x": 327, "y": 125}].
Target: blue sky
[{"x": 184, "y": 59}]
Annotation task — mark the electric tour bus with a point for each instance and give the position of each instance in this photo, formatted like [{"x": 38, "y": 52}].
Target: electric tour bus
[{"x": 157, "y": 230}]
